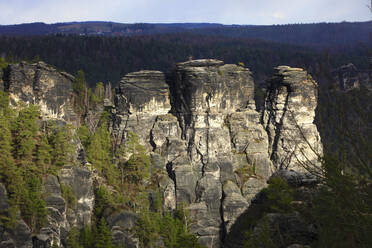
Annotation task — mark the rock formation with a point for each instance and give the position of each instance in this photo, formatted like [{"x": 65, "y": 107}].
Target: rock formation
[
  {"x": 43, "y": 85},
  {"x": 200, "y": 126},
  {"x": 349, "y": 77},
  {"x": 217, "y": 149},
  {"x": 294, "y": 141}
]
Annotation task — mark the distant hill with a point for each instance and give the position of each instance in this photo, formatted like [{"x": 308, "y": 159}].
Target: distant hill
[
  {"x": 100, "y": 28},
  {"x": 318, "y": 35}
]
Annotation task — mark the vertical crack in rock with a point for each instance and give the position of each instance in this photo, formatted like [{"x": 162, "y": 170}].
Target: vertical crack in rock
[
  {"x": 210, "y": 146},
  {"x": 294, "y": 141}
]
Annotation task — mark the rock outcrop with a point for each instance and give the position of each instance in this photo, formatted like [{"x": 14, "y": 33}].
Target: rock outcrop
[
  {"x": 18, "y": 236},
  {"x": 43, "y": 85},
  {"x": 349, "y": 77},
  {"x": 212, "y": 150},
  {"x": 294, "y": 141},
  {"x": 205, "y": 133},
  {"x": 62, "y": 215}
]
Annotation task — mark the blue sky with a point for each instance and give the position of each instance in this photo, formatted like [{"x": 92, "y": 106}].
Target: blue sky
[{"x": 165, "y": 11}]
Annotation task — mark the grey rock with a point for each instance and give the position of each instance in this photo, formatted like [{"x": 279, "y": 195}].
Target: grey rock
[
  {"x": 4, "y": 203},
  {"x": 80, "y": 180},
  {"x": 44, "y": 86},
  {"x": 51, "y": 185},
  {"x": 349, "y": 77},
  {"x": 122, "y": 225},
  {"x": 295, "y": 178},
  {"x": 252, "y": 187},
  {"x": 125, "y": 220},
  {"x": 20, "y": 235},
  {"x": 234, "y": 204},
  {"x": 288, "y": 119}
]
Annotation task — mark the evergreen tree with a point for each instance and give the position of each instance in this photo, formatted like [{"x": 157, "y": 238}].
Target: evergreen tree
[
  {"x": 73, "y": 239},
  {"x": 25, "y": 133},
  {"x": 9, "y": 173},
  {"x": 44, "y": 155},
  {"x": 103, "y": 238},
  {"x": 33, "y": 206},
  {"x": 61, "y": 141}
]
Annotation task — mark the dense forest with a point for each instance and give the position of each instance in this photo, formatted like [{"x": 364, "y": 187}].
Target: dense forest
[
  {"x": 318, "y": 35},
  {"x": 106, "y": 59},
  {"x": 33, "y": 149}
]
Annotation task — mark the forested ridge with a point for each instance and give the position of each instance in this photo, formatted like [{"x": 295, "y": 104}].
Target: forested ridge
[
  {"x": 330, "y": 208},
  {"x": 106, "y": 59}
]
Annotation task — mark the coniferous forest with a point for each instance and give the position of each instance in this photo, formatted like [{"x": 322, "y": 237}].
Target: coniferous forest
[{"x": 132, "y": 179}]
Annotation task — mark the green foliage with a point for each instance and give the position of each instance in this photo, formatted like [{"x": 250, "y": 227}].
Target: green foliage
[
  {"x": 99, "y": 152},
  {"x": 81, "y": 93},
  {"x": 25, "y": 131},
  {"x": 3, "y": 63},
  {"x": 9, "y": 173},
  {"x": 73, "y": 238},
  {"x": 260, "y": 237},
  {"x": 172, "y": 230},
  {"x": 104, "y": 202},
  {"x": 137, "y": 167},
  {"x": 86, "y": 237},
  {"x": 69, "y": 196},
  {"x": 342, "y": 210},
  {"x": 44, "y": 156},
  {"x": 60, "y": 139},
  {"x": 84, "y": 136},
  {"x": 280, "y": 195},
  {"x": 98, "y": 95},
  {"x": 103, "y": 238},
  {"x": 32, "y": 205},
  {"x": 80, "y": 83}
]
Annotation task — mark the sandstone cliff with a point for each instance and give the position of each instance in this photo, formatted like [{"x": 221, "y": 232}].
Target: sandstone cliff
[
  {"x": 200, "y": 126},
  {"x": 43, "y": 85},
  {"x": 217, "y": 149}
]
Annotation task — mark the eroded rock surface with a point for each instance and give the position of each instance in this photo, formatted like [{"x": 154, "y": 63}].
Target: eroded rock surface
[
  {"x": 17, "y": 237},
  {"x": 210, "y": 149},
  {"x": 294, "y": 141},
  {"x": 43, "y": 85}
]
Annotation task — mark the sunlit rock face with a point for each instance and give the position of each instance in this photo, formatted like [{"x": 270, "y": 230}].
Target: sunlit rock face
[
  {"x": 211, "y": 151},
  {"x": 42, "y": 85},
  {"x": 140, "y": 98},
  {"x": 288, "y": 119},
  {"x": 202, "y": 129}
]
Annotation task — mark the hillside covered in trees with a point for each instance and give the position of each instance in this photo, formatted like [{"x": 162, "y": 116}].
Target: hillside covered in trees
[{"x": 106, "y": 59}]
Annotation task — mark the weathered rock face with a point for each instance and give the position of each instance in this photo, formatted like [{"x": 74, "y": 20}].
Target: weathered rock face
[
  {"x": 42, "y": 85},
  {"x": 209, "y": 147},
  {"x": 215, "y": 147},
  {"x": 349, "y": 77},
  {"x": 140, "y": 98},
  {"x": 294, "y": 141},
  {"x": 207, "y": 138},
  {"x": 63, "y": 217},
  {"x": 20, "y": 236}
]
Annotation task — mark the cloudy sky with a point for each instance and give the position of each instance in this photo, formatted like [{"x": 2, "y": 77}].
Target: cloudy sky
[{"x": 165, "y": 11}]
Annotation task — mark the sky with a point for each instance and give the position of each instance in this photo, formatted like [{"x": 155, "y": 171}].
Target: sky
[{"x": 259, "y": 12}]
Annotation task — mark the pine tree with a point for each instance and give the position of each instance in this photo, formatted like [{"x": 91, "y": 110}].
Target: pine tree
[
  {"x": 25, "y": 133},
  {"x": 9, "y": 174},
  {"x": 44, "y": 155},
  {"x": 33, "y": 206},
  {"x": 103, "y": 238},
  {"x": 63, "y": 149}
]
